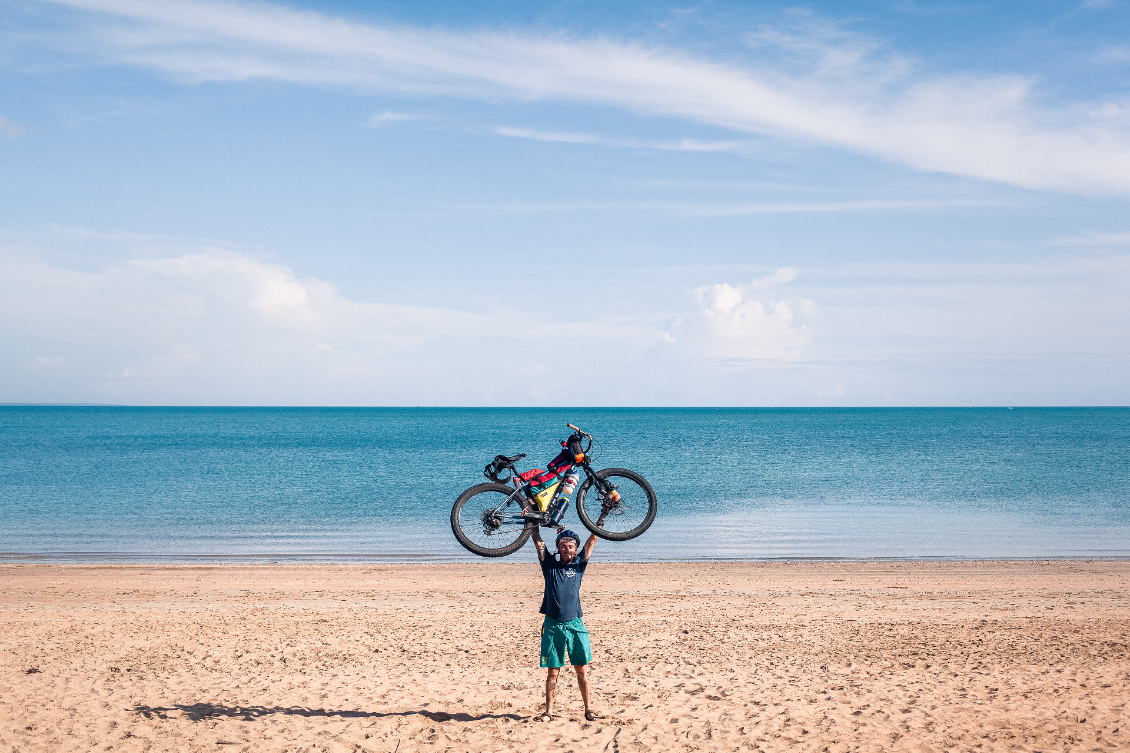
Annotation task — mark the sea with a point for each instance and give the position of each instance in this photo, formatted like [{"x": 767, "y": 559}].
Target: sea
[{"x": 159, "y": 484}]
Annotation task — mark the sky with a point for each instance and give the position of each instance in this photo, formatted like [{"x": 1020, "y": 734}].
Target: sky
[{"x": 895, "y": 203}]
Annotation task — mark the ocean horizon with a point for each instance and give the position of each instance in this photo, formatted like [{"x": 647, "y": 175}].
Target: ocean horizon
[{"x": 98, "y": 483}]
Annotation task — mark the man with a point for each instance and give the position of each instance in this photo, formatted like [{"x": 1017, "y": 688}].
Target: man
[{"x": 564, "y": 637}]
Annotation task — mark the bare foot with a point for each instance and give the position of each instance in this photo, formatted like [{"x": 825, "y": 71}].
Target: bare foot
[{"x": 591, "y": 716}]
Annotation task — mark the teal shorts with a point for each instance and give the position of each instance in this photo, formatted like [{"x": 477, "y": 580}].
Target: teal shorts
[{"x": 564, "y": 643}]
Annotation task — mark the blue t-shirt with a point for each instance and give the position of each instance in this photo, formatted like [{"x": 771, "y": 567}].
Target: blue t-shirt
[{"x": 562, "y": 599}]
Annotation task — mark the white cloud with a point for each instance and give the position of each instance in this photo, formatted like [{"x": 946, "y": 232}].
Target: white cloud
[
  {"x": 679, "y": 145},
  {"x": 550, "y": 136},
  {"x": 270, "y": 291},
  {"x": 216, "y": 322},
  {"x": 735, "y": 325},
  {"x": 1115, "y": 55},
  {"x": 1093, "y": 239},
  {"x": 780, "y": 277},
  {"x": 183, "y": 322},
  {"x": 980, "y": 126},
  {"x": 827, "y": 48},
  {"x": 804, "y": 207},
  {"x": 217, "y": 289},
  {"x": 731, "y": 209},
  {"x": 387, "y": 117},
  {"x": 10, "y": 129}
]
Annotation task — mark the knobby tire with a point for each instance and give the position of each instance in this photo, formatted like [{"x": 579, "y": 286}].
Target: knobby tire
[
  {"x": 635, "y": 513},
  {"x": 470, "y": 518}
]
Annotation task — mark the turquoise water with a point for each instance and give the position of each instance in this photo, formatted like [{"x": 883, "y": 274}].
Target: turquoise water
[{"x": 136, "y": 484}]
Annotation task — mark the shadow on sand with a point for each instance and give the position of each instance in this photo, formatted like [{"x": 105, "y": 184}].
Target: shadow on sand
[{"x": 199, "y": 711}]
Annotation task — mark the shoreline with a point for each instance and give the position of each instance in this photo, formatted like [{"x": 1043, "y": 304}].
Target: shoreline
[
  {"x": 91, "y": 558},
  {"x": 815, "y": 655}
]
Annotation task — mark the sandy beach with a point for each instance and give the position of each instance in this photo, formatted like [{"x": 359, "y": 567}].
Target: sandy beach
[{"x": 1027, "y": 656}]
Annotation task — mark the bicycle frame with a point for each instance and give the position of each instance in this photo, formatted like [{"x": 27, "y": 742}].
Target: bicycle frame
[{"x": 555, "y": 510}]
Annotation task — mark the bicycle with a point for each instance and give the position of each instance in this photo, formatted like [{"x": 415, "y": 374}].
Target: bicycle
[{"x": 496, "y": 519}]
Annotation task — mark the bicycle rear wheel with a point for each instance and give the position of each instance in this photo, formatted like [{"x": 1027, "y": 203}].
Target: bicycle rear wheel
[
  {"x": 483, "y": 520},
  {"x": 627, "y": 517}
]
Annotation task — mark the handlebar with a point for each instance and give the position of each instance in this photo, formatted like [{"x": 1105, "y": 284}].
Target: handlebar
[
  {"x": 579, "y": 430},
  {"x": 503, "y": 464},
  {"x": 580, "y": 434}
]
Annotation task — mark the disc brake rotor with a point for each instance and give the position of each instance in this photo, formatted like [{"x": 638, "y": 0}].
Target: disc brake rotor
[{"x": 612, "y": 502}]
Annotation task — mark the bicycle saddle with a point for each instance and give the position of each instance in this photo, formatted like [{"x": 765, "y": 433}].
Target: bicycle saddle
[{"x": 513, "y": 459}]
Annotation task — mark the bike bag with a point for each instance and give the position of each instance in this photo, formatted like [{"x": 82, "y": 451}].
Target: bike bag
[
  {"x": 543, "y": 481},
  {"x": 573, "y": 447},
  {"x": 558, "y": 467}
]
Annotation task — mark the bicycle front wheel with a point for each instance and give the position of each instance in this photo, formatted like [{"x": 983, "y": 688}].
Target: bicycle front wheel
[
  {"x": 626, "y": 517},
  {"x": 485, "y": 520}
]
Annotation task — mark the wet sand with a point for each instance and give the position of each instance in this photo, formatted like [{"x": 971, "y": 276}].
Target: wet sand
[{"x": 974, "y": 656}]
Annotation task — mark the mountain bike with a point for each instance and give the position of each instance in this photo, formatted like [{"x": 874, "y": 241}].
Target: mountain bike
[{"x": 496, "y": 519}]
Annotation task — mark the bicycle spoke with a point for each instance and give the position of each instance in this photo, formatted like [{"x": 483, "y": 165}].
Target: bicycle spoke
[
  {"x": 623, "y": 498},
  {"x": 486, "y": 520}
]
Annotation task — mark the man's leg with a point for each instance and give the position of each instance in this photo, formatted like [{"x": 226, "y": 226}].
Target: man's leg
[
  {"x": 583, "y": 684},
  {"x": 551, "y": 689}
]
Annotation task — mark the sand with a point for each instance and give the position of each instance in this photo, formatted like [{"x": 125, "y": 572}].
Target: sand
[{"x": 737, "y": 656}]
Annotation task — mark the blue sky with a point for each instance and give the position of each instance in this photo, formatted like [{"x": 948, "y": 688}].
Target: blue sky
[{"x": 343, "y": 203}]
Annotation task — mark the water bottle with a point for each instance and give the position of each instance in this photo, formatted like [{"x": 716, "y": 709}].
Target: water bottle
[{"x": 568, "y": 486}]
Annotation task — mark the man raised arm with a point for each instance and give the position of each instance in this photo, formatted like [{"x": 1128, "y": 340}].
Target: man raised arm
[{"x": 564, "y": 637}]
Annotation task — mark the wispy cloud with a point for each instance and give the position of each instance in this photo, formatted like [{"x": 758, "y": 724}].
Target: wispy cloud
[
  {"x": 678, "y": 145},
  {"x": 1113, "y": 55},
  {"x": 720, "y": 209},
  {"x": 387, "y": 118},
  {"x": 827, "y": 49},
  {"x": 1093, "y": 239},
  {"x": 807, "y": 207},
  {"x": 549, "y": 136},
  {"x": 981, "y": 126},
  {"x": 10, "y": 130},
  {"x": 1069, "y": 302}
]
